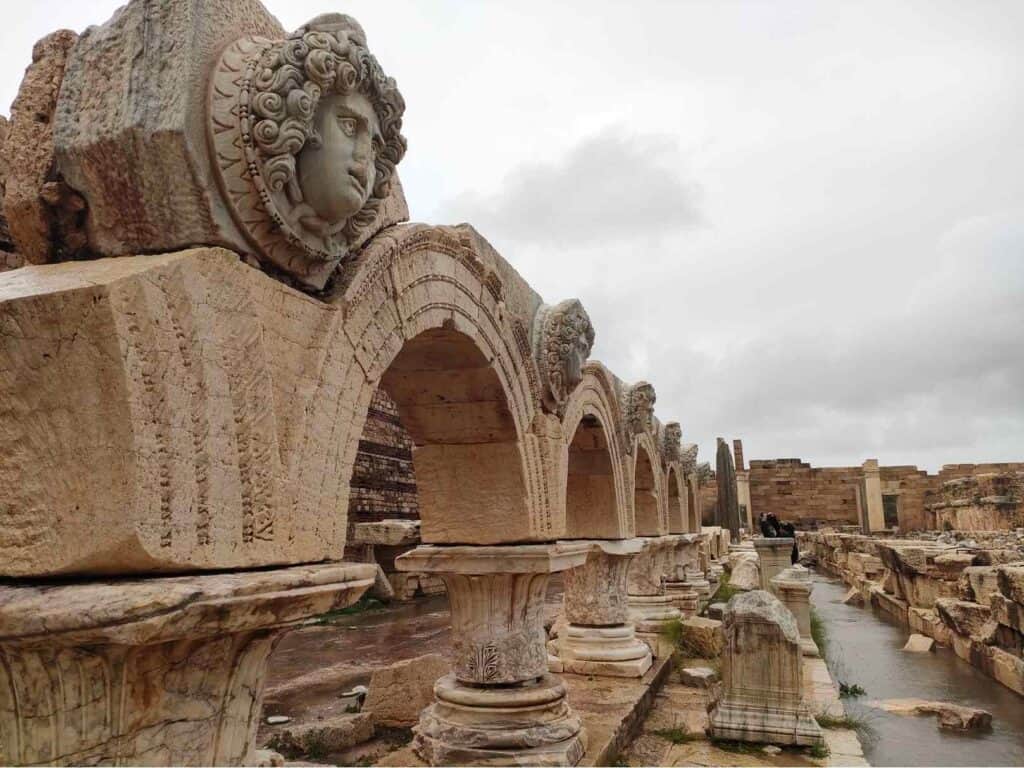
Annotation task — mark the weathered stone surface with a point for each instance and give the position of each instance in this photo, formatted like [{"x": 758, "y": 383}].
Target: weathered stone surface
[
  {"x": 400, "y": 692},
  {"x": 698, "y": 677},
  {"x": 853, "y": 597},
  {"x": 964, "y": 618},
  {"x": 762, "y": 675},
  {"x": 715, "y": 611},
  {"x": 951, "y": 716},
  {"x": 562, "y": 339},
  {"x": 919, "y": 644},
  {"x": 728, "y": 504},
  {"x": 389, "y": 533},
  {"x": 323, "y": 737},
  {"x": 746, "y": 574},
  {"x": 32, "y": 212},
  {"x": 703, "y": 637}
]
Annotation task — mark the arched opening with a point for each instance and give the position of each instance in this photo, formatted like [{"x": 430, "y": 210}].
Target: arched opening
[
  {"x": 590, "y": 502},
  {"x": 677, "y": 522},
  {"x": 465, "y": 450},
  {"x": 645, "y": 495}
]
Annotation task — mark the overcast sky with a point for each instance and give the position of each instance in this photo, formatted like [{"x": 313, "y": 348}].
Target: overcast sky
[{"x": 803, "y": 222}]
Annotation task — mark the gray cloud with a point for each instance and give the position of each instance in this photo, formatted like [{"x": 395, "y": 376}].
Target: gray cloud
[{"x": 606, "y": 188}]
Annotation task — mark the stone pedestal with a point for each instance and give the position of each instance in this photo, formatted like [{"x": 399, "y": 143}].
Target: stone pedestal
[
  {"x": 650, "y": 608},
  {"x": 793, "y": 587},
  {"x": 600, "y": 638},
  {"x": 685, "y": 561},
  {"x": 762, "y": 676},
  {"x": 703, "y": 589},
  {"x": 774, "y": 555},
  {"x": 158, "y": 671},
  {"x": 499, "y": 706}
]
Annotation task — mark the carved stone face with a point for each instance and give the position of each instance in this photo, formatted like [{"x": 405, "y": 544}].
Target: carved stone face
[
  {"x": 337, "y": 173},
  {"x": 579, "y": 351}
]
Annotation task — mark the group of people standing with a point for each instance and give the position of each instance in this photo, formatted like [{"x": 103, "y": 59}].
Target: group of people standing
[{"x": 771, "y": 528}]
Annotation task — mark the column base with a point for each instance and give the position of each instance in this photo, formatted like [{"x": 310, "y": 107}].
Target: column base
[
  {"x": 809, "y": 648},
  {"x": 528, "y": 724},
  {"x": 603, "y": 651},
  {"x": 683, "y": 597},
  {"x": 738, "y": 720},
  {"x": 650, "y": 615}
]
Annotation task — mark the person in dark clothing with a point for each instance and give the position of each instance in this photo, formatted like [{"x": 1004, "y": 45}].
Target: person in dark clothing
[
  {"x": 766, "y": 529},
  {"x": 790, "y": 533},
  {"x": 773, "y": 521}
]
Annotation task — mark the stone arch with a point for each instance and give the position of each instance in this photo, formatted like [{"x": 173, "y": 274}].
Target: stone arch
[
  {"x": 594, "y": 486},
  {"x": 648, "y": 489},
  {"x": 675, "y": 493},
  {"x": 426, "y": 311}
]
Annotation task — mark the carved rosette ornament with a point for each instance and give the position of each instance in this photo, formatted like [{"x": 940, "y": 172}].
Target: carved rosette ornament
[
  {"x": 562, "y": 339},
  {"x": 306, "y": 134},
  {"x": 688, "y": 458},
  {"x": 671, "y": 438},
  {"x": 638, "y": 407}
]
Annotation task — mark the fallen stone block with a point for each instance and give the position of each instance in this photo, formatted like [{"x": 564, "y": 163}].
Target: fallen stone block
[
  {"x": 715, "y": 611},
  {"x": 324, "y": 736},
  {"x": 746, "y": 575},
  {"x": 702, "y": 637},
  {"x": 400, "y": 692},
  {"x": 919, "y": 644},
  {"x": 698, "y": 677},
  {"x": 950, "y": 716},
  {"x": 853, "y": 597}
]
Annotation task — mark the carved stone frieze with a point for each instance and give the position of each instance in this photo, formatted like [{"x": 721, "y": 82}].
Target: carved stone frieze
[
  {"x": 671, "y": 437},
  {"x": 306, "y": 134},
  {"x": 638, "y": 407},
  {"x": 562, "y": 339}
]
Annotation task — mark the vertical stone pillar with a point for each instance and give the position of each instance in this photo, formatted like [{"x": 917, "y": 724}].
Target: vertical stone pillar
[
  {"x": 873, "y": 496},
  {"x": 650, "y": 608},
  {"x": 762, "y": 676},
  {"x": 151, "y": 671},
  {"x": 684, "y": 565},
  {"x": 775, "y": 556},
  {"x": 600, "y": 638},
  {"x": 743, "y": 487},
  {"x": 793, "y": 587},
  {"x": 499, "y": 705}
]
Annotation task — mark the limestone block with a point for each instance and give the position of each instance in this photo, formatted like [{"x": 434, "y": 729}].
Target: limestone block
[
  {"x": 201, "y": 399},
  {"x": 746, "y": 574},
  {"x": 919, "y": 644},
  {"x": 950, "y": 716},
  {"x": 324, "y": 736},
  {"x": 964, "y": 618},
  {"x": 28, "y": 152},
  {"x": 400, "y": 692},
  {"x": 853, "y": 597},
  {"x": 716, "y": 610},
  {"x": 703, "y": 637},
  {"x": 391, "y": 533},
  {"x": 698, "y": 677},
  {"x": 762, "y": 676}
]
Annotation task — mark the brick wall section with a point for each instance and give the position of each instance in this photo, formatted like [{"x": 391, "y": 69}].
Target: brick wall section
[
  {"x": 809, "y": 496},
  {"x": 709, "y": 500},
  {"x": 383, "y": 480}
]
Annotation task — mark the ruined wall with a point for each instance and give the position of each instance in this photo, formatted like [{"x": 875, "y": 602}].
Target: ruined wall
[
  {"x": 910, "y": 485},
  {"x": 709, "y": 500},
  {"x": 383, "y": 480},
  {"x": 808, "y": 496},
  {"x": 976, "y": 497}
]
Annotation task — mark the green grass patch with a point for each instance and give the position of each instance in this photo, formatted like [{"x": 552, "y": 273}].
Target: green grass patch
[
  {"x": 819, "y": 751},
  {"x": 819, "y": 632},
  {"x": 678, "y": 735},
  {"x": 362, "y": 605},
  {"x": 850, "y": 690},
  {"x": 738, "y": 747},
  {"x": 846, "y": 722},
  {"x": 675, "y": 633},
  {"x": 725, "y": 591}
]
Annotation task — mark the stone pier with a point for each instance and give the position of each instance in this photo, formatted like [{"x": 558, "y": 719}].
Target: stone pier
[
  {"x": 762, "y": 676},
  {"x": 775, "y": 556},
  {"x": 651, "y": 609},
  {"x": 600, "y": 638},
  {"x": 499, "y": 705},
  {"x": 793, "y": 587},
  {"x": 684, "y": 564}
]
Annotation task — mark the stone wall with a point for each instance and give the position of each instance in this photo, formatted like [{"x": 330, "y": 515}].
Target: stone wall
[
  {"x": 383, "y": 479},
  {"x": 795, "y": 491},
  {"x": 965, "y": 497}
]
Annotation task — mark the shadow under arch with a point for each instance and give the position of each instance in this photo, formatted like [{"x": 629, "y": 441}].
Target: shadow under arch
[
  {"x": 647, "y": 489},
  {"x": 676, "y": 500}
]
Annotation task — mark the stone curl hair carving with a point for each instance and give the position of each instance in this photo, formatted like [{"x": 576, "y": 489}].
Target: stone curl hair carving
[{"x": 328, "y": 55}]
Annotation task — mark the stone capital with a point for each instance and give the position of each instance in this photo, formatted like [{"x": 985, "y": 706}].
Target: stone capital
[{"x": 484, "y": 560}]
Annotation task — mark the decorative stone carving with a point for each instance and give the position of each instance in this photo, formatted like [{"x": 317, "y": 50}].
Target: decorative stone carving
[
  {"x": 600, "y": 638},
  {"x": 165, "y": 671},
  {"x": 762, "y": 676},
  {"x": 793, "y": 587},
  {"x": 306, "y": 133},
  {"x": 499, "y": 706},
  {"x": 671, "y": 435},
  {"x": 638, "y": 408},
  {"x": 562, "y": 339}
]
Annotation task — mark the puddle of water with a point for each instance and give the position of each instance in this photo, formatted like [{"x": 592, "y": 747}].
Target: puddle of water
[{"x": 864, "y": 647}]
